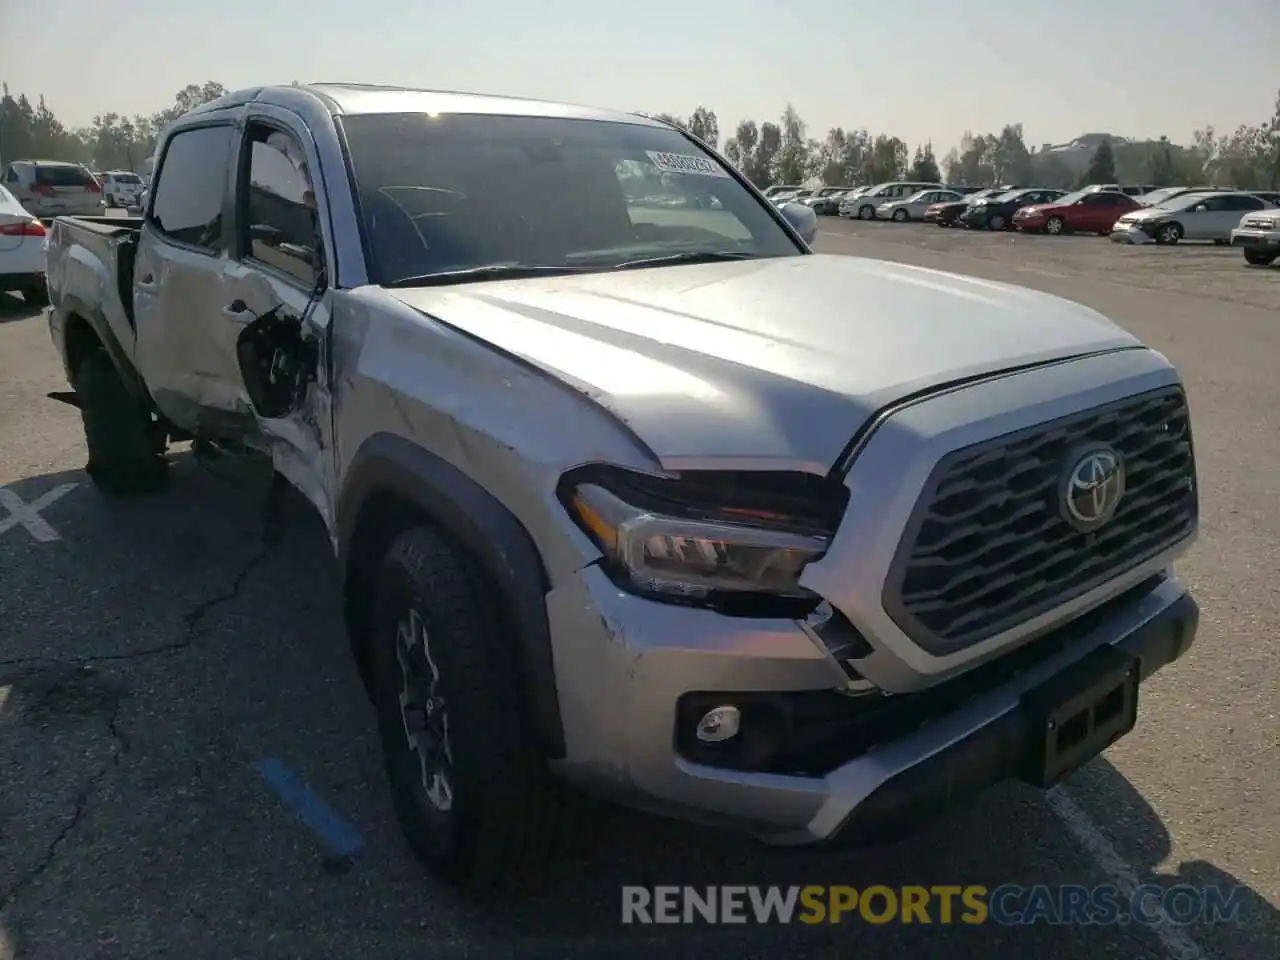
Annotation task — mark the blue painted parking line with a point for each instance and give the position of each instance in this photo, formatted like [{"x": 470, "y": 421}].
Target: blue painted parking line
[{"x": 334, "y": 830}]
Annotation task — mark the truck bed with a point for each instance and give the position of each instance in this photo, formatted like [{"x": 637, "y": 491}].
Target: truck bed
[{"x": 89, "y": 256}]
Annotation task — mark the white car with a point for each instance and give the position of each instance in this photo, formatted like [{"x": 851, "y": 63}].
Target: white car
[
  {"x": 914, "y": 206},
  {"x": 120, "y": 188},
  {"x": 863, "y": 207},
  {"x": 1258, "y": 235},
  {"x": 1193, "y": 216},
  {"x": 22, "y": 248}
]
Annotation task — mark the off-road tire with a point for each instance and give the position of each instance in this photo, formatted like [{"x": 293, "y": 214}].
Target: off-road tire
[
  {"x": 510, "y": 818},
  {"x": 120, "y": 435}
]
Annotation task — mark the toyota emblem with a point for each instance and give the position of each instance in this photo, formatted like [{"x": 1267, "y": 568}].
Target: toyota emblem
[{"x": 1092, "y": 487}]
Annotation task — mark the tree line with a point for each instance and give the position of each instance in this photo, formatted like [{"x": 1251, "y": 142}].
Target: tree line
[
  {"x": 783, "y": 152},
  {"x": 767, "y": 153}
]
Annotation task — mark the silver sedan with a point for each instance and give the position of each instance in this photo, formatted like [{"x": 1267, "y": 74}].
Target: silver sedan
[{"x": 914, "y": 206}]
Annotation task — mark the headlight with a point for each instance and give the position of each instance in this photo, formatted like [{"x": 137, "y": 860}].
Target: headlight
[{"x": 703, "y": 540}]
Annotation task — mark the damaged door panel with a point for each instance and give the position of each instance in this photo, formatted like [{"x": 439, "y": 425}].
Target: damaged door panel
[{"x": 278, "y": 302}]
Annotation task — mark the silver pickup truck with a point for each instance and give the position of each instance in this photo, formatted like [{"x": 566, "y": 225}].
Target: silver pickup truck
[{"x": 630, "y": 490}]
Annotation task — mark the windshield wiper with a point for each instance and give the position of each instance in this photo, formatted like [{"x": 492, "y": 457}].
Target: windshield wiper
[
  {"x": 688, "y": 256},
  {"x": 490, "y": 271}
]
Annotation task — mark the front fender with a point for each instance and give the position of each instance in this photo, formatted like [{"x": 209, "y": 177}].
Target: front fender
[{"x": 389, "y": 468}]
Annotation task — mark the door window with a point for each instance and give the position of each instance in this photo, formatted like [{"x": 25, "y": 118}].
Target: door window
[
  {"x": 279, "y": 223},
  {"x": 191, "y": 186},
  {"x": 1242, "y": 204}
]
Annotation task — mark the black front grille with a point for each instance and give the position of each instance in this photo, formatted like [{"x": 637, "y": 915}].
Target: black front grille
[{"x": 987, "y": 547}]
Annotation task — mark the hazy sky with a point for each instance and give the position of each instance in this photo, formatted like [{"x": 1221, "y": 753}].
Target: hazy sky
[{"x": 921, "y": 70}]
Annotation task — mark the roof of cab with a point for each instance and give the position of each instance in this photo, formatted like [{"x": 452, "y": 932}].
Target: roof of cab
[{"x": 364, "y": 98}]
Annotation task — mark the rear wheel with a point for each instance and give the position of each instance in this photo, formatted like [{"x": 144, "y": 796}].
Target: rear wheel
[
  {"x": 1259, "y": 258},
  {"x": 124, "y": 456},
  {"x": 472, "y": 793}
]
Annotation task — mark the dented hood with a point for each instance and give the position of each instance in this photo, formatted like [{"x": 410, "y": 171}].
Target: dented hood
[{"x": 780, "y": 359}]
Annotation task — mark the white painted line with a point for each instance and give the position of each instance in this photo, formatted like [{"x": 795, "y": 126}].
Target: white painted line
[
  {"x": 28, "y": 514},
  {"x": 1176, "y": 941}
]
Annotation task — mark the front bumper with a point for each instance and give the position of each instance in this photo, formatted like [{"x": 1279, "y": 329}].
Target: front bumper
[
  {"x": 622, "y": 730},
  {"x": 1130, "y": 233},
  {"x": 1267, "y": 241}
]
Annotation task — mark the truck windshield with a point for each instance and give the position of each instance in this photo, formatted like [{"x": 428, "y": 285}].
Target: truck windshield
[{"x": 453, "y": 193}]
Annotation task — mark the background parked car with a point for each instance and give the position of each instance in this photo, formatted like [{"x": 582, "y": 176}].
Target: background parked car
[
  {"x": 914, "y": 206},
  {"x": 1259, "y": 236},
  {"x": 777, "y": 188},
  {"x": 1157, "y": 197},
  {"x": 120, "y": 188},
  {"x": 50, "y": 188},
  {"x": 1193, "y": 216},
  {"x": 947, "y": 213},
  {"x": 848, "y": 204},
  {"x": 1079, "y": 212},
  {"x": 864, "y": 206},
  {"x": 826, "y": 202},
  {"x": 22, "y": 247},
  {"x": 1128, "y": 189},
  {"x": 996, "y": 213}
]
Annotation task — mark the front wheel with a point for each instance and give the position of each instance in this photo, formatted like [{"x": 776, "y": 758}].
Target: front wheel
[
  {"x": 996, "y": 222},
  {"x": 1055, "y": 226},
  {"x": 901, "y": 216},
  {"x": 1259, "y": 258},
  {"x": 1169, "y": 234},
  {"x": 866, "y": 213},
  {"x": 472, "y": 794}
]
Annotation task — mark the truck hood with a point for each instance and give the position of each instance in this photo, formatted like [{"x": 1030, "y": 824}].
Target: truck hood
[{"x": 774, "y": 360}]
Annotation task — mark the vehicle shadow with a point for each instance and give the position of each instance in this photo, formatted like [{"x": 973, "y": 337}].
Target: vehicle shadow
[
  {"x": 113, "y": 733},
  {"x": 1140, "y": 838},
  {"x": 14, "y": 308}
]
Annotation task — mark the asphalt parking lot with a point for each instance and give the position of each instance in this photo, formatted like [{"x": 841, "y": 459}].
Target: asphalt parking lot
[{"x": 163, "y": 664}]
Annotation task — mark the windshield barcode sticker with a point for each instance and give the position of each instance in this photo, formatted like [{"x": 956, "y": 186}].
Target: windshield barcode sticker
[{"x": 685, "y": 163}]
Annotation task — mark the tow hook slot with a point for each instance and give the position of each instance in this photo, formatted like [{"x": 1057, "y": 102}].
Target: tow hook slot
[{"x": 277, "y": 361}]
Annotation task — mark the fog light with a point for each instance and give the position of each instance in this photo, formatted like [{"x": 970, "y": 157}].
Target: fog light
[{"x": 719, "y": 724}]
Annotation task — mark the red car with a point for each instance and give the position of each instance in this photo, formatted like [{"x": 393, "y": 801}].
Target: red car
[{"x": 1077, "y": 212}]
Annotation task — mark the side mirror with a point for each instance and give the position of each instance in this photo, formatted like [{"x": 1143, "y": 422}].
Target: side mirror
[
  {"x": 803, "y": 219},
  {"x": 1199, "y": 208}
]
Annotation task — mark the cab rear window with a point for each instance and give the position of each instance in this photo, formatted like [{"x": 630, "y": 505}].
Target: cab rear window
[{"x": 63, "y": 177}]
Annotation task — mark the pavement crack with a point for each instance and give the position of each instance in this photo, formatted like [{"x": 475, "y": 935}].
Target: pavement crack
[
  {"x": 79, "y": 809},
  {"x": 191, "y": 622}
]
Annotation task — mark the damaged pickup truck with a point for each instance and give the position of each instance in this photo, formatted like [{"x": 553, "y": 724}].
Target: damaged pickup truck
[{"x": 630, "y": 490}]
